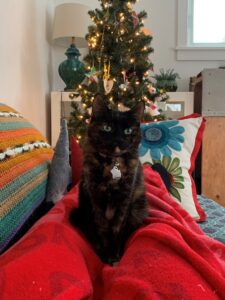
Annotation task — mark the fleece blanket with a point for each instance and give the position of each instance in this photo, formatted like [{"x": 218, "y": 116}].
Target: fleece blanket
[{"x": 168, "y": 258}]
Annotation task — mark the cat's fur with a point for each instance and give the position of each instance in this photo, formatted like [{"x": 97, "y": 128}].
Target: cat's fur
[{"x": 110, "y": 210}]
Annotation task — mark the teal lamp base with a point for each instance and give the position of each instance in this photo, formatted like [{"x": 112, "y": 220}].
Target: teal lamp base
[{"x": 72, "y": 70}]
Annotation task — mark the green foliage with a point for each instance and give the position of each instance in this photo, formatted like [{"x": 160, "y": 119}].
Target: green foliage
[{"x": 166, "y": 80}]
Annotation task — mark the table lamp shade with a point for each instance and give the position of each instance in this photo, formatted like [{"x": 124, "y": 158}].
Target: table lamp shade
[
  {"x": 71, "y": 20},
  {"x": 70, "y": 27}
]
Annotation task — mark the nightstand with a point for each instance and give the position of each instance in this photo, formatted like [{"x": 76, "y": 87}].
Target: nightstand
[
  {"x": 60, "y": 108},
  {"x": 179, "y": 104},
  {"x": 210, "y": 102}
]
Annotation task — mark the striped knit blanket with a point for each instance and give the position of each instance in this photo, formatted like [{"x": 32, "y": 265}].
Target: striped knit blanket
[{"x": 24, "y": 161}]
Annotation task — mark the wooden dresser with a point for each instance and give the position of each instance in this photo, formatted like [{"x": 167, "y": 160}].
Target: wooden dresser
[
  {"x": 210, "y": 102},
  {"x": 213, "y": 159}
]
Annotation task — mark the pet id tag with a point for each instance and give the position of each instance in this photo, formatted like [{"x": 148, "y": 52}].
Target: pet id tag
[{"x": 116, "y": 174}]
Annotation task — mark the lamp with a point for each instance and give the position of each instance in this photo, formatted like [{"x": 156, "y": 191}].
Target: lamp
[{"x": 70, "y": 26}]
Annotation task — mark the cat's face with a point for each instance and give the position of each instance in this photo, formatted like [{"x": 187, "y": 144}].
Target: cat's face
[{"x": 112, "y": 132}]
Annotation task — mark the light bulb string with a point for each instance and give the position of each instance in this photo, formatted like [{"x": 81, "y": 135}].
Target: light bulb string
[{"x": 102, "y": 47}]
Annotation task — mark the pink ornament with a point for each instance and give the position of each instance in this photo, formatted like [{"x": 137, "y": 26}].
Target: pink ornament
[{"x": 135, "y": 19}]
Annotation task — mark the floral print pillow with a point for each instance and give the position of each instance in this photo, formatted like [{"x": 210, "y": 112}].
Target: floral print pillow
[{"x": 175, "y": 144}]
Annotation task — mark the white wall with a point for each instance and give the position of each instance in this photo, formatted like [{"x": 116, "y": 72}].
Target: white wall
[
  {"x": 25, "y": 57},
  {"x": 162, "y": 21}
]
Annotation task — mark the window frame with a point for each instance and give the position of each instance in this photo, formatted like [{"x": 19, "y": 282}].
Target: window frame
[{"x": 186, "y": 49}]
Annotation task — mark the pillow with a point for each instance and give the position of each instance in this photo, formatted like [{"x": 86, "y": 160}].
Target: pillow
[
  {"x": 76, "y": 160},
  {"x": 175, "y": 144},
  {"x": 60, "y": 170},
  {"x": 25, "y": 156}
]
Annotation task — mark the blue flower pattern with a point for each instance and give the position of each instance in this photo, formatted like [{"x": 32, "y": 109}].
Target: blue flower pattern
[{"x": 159, "y": 138}]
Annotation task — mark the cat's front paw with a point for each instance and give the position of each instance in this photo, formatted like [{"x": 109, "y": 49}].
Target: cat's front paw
[{"x": 113, "y": 261}]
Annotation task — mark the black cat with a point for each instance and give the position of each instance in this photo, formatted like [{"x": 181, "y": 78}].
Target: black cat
[{"x": 112, "y": 203}]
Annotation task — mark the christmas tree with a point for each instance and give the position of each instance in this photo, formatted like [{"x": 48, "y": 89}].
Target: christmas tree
[{"x": 117, "y": 64}]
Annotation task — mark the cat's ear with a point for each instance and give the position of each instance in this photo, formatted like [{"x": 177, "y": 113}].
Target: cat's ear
[
  {"x": 99, "y": 107},
  {"x": 138, "y": 111}
]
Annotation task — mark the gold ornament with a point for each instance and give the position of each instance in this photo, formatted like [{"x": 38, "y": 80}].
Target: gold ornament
[
  {"x": 106, "y": 71},
  {"x": 107, "y": 82}
]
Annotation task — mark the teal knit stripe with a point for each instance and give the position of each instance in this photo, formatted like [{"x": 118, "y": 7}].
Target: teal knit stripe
[
  {"x": 11, "y": 223},
  {"x": 21, "y": 180},
  {"x": 15, "y": 125}
]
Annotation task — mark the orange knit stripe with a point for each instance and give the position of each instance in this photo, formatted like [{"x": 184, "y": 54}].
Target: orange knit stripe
[
  {"x": 11, "y": 162},
  {"x": 13, "y": 199},
  {"x": 7, "y": 108},
  {"x": 22, "y": 168},
  {"x": 19, "y": 165},
  {"x": 18, "y": 141},
  {"x": 7, "y": 134}
]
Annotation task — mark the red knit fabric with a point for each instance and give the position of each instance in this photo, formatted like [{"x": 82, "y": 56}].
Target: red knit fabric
[{"x": 168, "y": 258}]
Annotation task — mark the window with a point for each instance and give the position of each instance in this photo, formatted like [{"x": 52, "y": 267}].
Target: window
[
  {"x": 207, "y": 22},
  {"x": 201, "y": 30}
]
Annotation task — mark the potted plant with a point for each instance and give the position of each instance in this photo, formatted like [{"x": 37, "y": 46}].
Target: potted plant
[{"x": 166, "y": 80}]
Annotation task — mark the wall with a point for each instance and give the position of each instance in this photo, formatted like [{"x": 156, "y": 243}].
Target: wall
[
  {"x": 25, "y": 58},
  {"x": 162, "y": 21},
  {"x": 29, "y": 60}
]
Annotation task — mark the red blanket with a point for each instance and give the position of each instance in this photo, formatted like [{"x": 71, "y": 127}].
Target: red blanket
[{"x": 169, "y": 258}]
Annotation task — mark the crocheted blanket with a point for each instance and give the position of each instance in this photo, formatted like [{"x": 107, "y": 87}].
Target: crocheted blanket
[
  {"x": 169, "y": 258},
  {"x": 25, "y": 156}
]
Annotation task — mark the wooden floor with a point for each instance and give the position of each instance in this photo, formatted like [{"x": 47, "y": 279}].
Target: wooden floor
[{"x": 213, "y": 159}]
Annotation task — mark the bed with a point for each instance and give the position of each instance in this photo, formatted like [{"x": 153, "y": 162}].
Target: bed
[
  {"x": 168, "y": 258},
  {"x": 214, "y": 225}
]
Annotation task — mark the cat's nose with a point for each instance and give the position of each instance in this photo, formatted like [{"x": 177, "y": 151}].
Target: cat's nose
[{"x": 117, "y": 150}]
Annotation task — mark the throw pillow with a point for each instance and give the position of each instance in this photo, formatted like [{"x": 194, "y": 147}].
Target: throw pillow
[
  {"x": 175, "y": 144},
  {"x": 76, "y": 160},
  {"x": 60, "y": 170},
  {"x": 25, "y": 156}
]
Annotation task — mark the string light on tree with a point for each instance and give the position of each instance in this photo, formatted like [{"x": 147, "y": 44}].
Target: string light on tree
[
  {"x": 129, "y": 5},
  {"x": 121, "y": 17},
  {"x": 122, "y": 31}
]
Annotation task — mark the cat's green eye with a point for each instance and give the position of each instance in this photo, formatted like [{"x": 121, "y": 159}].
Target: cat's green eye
[
  {"x": 107, "y": 128},
  {"x": 128, "y": 131}
]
